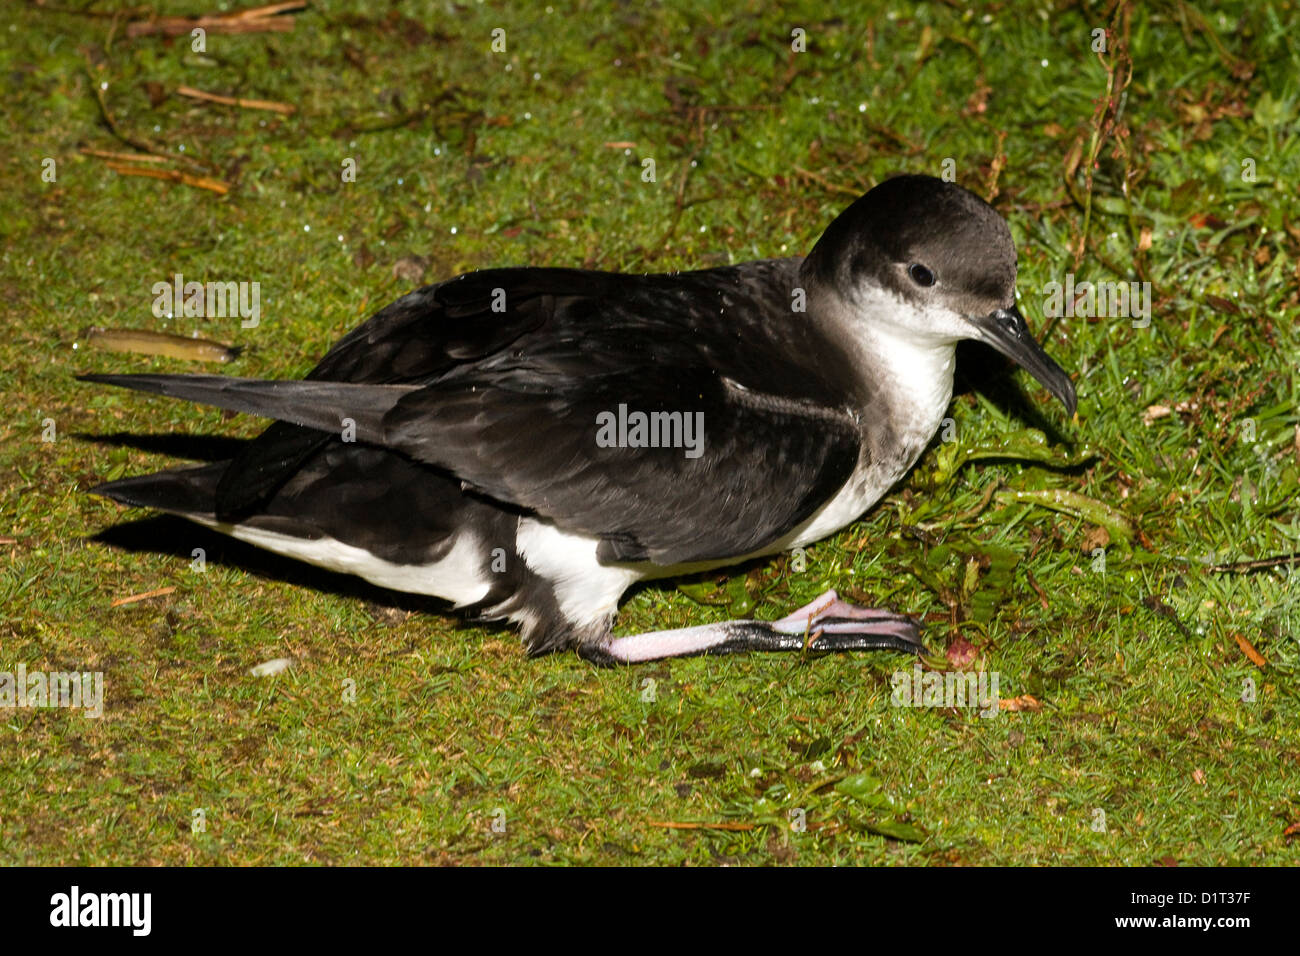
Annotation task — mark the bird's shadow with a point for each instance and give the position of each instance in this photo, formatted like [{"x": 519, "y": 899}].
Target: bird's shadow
[
  {"x": 166, "y": 534},
  {"x": 982, "y": 369},
  {"x": 188, "y": 447}
]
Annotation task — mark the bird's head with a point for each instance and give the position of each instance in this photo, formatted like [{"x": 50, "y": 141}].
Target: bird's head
[{"x": 937, "y": 263}]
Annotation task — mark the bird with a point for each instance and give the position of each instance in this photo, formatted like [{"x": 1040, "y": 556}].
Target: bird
[{"x": 529, "y": 443}]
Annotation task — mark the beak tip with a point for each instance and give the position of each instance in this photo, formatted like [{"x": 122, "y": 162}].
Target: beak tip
[
  {"x": 1005, "y": 331},
  {"x": 1071, "y": 402}
]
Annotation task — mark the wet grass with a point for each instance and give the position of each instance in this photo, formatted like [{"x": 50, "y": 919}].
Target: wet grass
[{"x": 1146, "y": 733}]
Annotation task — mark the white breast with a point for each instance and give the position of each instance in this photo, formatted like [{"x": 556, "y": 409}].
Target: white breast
[{"x": 916, "y": 375}]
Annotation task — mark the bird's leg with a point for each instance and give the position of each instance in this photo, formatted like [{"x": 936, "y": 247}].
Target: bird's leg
[{"x": 827, "y": 624}]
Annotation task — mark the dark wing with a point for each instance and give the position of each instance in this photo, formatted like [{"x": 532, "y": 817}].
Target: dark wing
[
  {"x": 414, "y": 339},
  {"x": 528, "y": 422},
  {"x": 462, "y": 320}
]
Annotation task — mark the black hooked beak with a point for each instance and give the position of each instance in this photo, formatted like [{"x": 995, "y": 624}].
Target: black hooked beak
[{"x": 1006, "y": 331}]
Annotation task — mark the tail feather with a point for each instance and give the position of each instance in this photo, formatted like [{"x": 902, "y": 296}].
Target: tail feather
[
  {"x": 182, "y": 491},
  {"x": 313, "y": 404}
]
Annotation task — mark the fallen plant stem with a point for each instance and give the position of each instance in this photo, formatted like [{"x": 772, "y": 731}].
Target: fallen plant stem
[
  {"x": 172, "y": 175},
  {"x": 275, "y": 18},
  {"x": 143, "y": 596},
  {"x": 285, "y": 109}
]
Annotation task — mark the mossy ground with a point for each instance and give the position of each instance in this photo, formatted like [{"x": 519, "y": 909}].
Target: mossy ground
[{"x": 474, "y": 158}]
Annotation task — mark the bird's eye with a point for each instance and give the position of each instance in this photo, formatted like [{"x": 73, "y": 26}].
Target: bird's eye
[{"x": 920, "y": 274}]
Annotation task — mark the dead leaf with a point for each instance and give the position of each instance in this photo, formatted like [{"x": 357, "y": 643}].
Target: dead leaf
[
  {"x": 156, "y": 92},
  {"x": 1155, "y": 412},
  {"x": 1096, "y": 537},
  {"x": 1248, "y": 649},
  {"x": 363, "y": 257},
  {"x": 411, "y": 268},
  {"x": 1017, "y": 704}
]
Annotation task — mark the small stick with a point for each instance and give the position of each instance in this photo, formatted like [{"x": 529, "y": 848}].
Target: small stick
[
  {"x": 270, "y": 10},
  {"x": 733, "y": 107},
  {"x": 142, "y": 597},
  {"x": 109, "y": 121},
  {"x": 1259, "y": 565},
  {"x": 239, "y": 101},
  {"x": 823, "y": 181},
  {"x": 174, "y": 175},
  {"x": 179, "y": 26},
  {"x": 674, "y": 825},
  {"x": 252, "y": 20},
  {"x": 1157, "y": 606},
  {"x": 128, "y": 157},
  {"x": 1038, "y": 589}
]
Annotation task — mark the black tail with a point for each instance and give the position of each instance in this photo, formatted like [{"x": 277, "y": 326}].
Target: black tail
[
  {"x": 313, "y": 404},
  {"x": 184, "y": 491}
]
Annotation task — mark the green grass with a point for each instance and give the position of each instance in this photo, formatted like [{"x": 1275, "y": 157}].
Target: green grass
[{"x": 504, "y": 161}]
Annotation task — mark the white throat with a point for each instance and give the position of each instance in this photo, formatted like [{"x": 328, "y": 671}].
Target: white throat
[
  {"x": 907, "y": 356},
  {"x": 907, "y": 381},
  {"x": 918, "y": 372}
]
